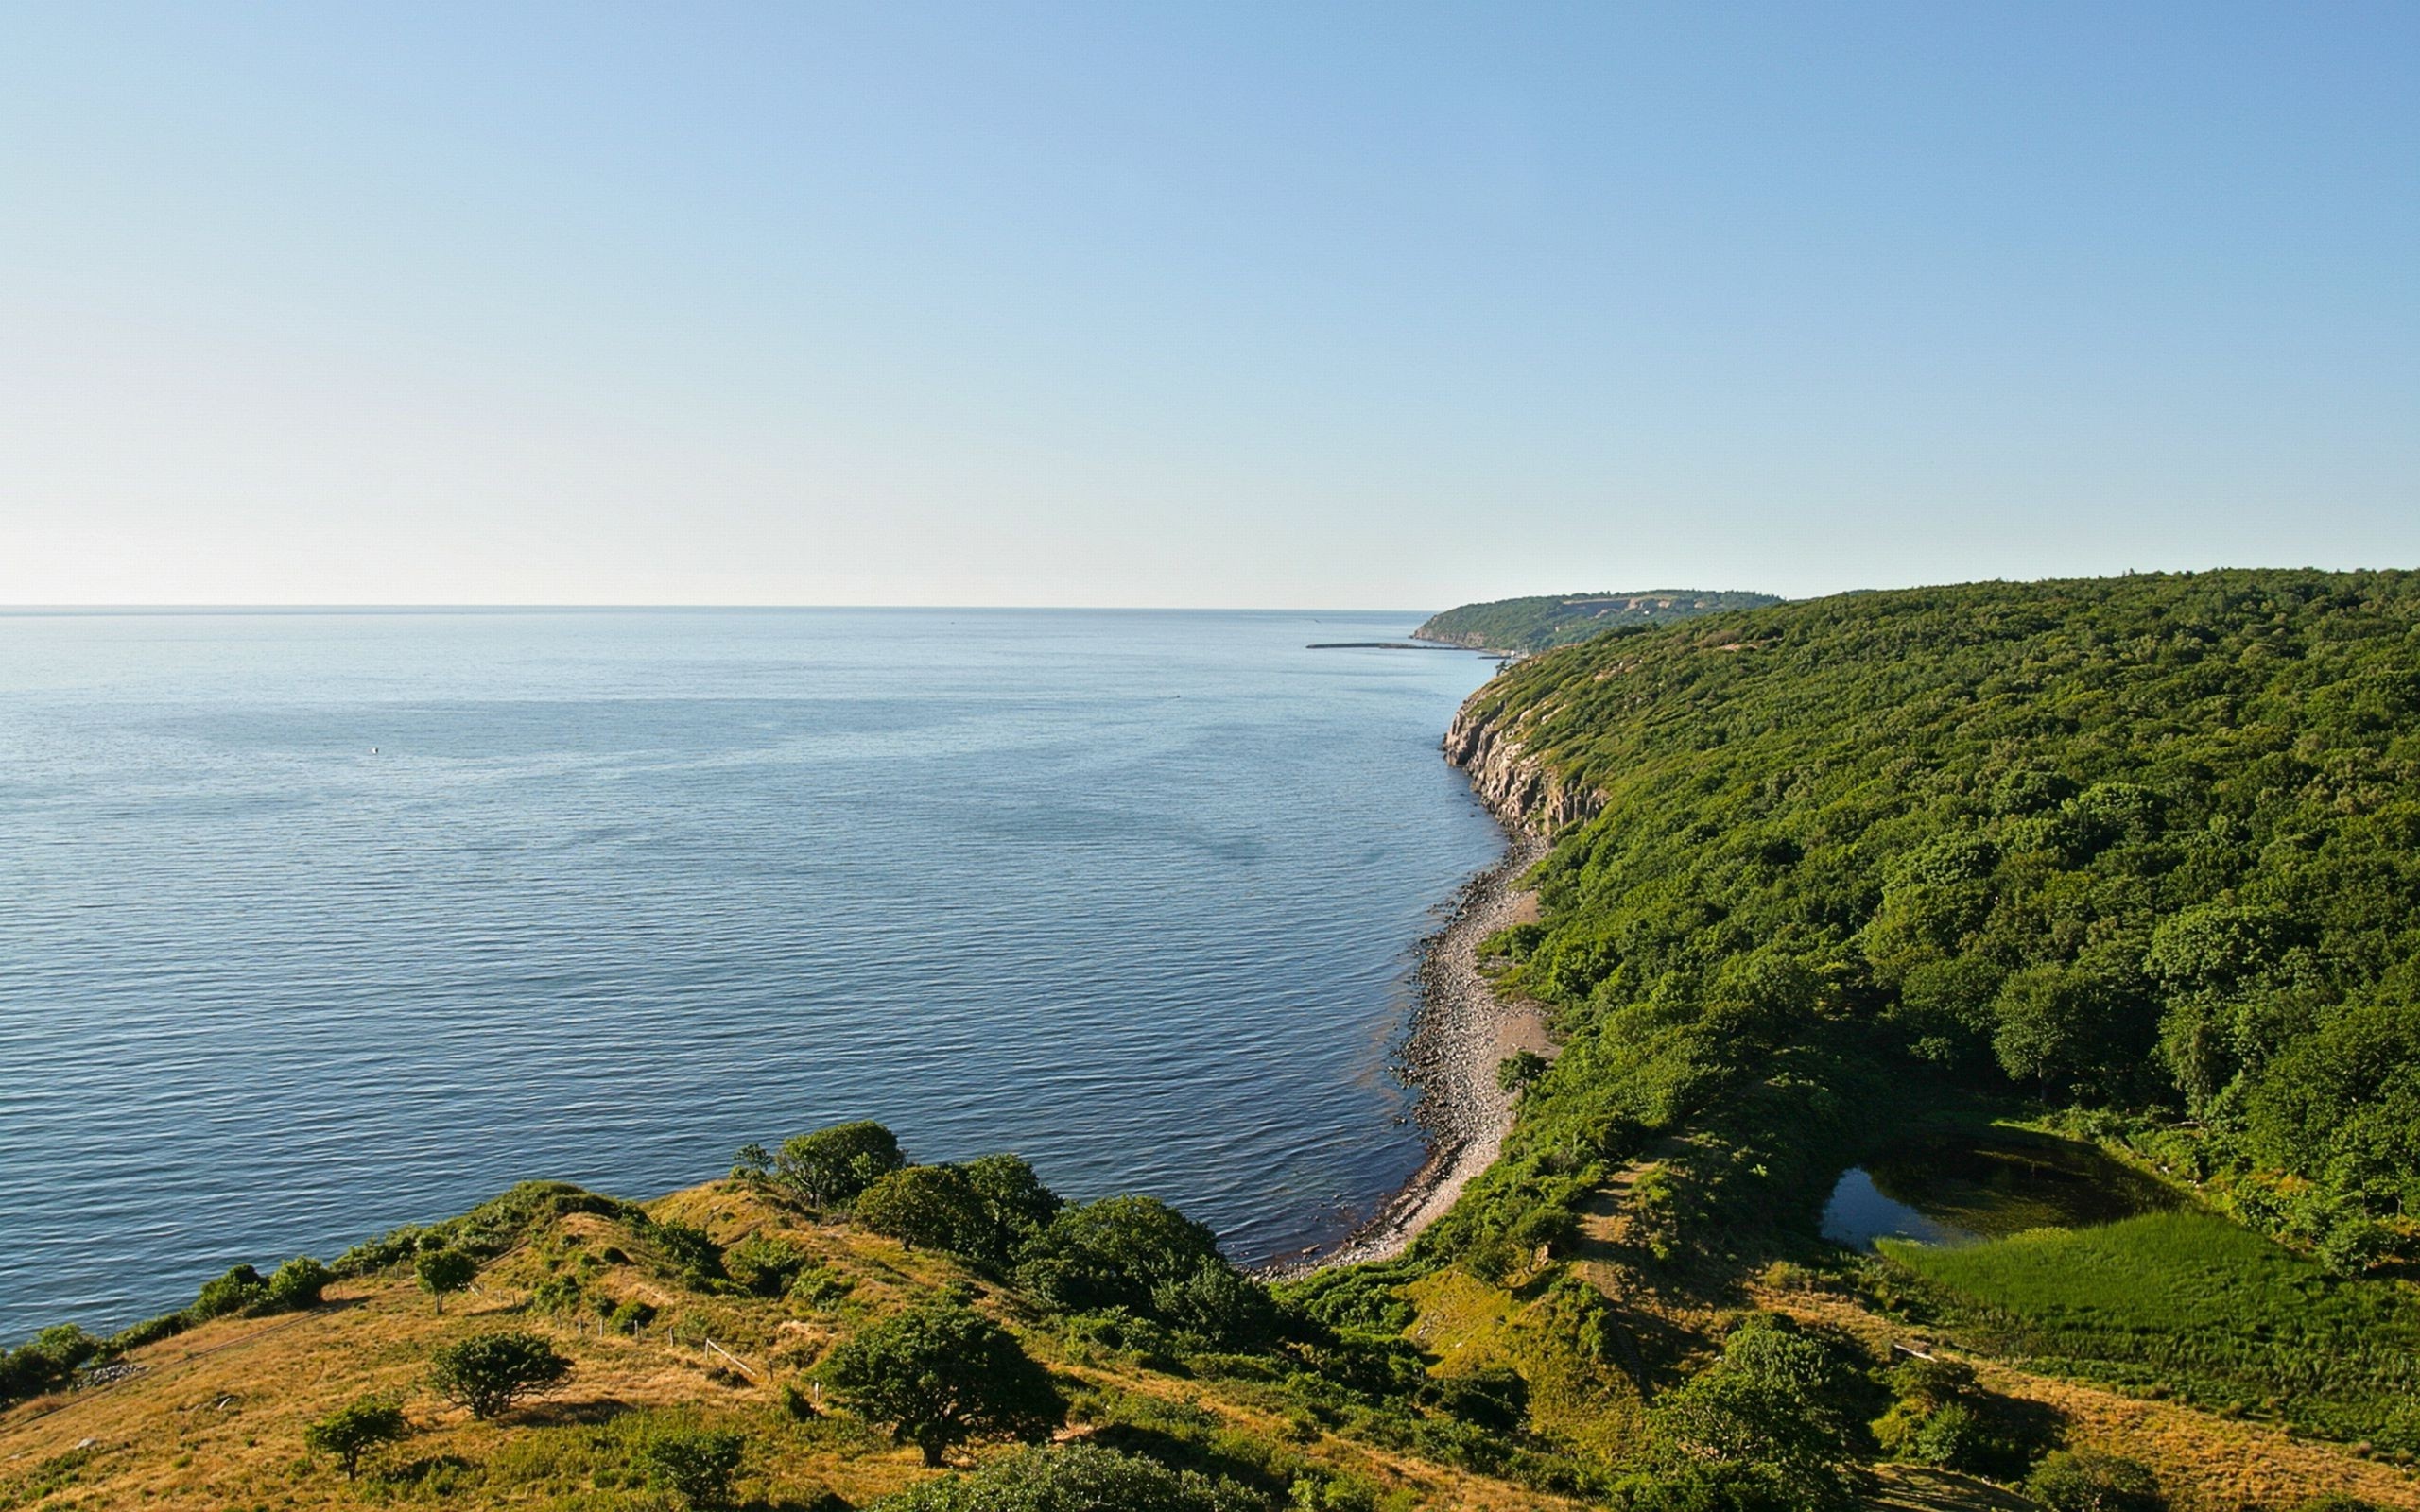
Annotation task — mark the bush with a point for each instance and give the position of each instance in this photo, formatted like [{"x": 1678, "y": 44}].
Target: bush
[
  {"x": 239, "y": 1289},
  {"x": 941, "y": 1374},
  {"x": 694, "y": 1464},
  {"x": 2087, "y": 1481},
  {"x": 689, "y": 1250},
  {"x": 1076, "y": 1478},
  {"x": 765, "y": 1264},
  {"x": 298, "y": 1283},
  {"x": 349, "y": 1433},
  {"x": 46, "y": 1362},
  {"x": 1516, "y": 1071},
  {"x": 488, "y": 1374},
  {"x": 831, "y": 1166}
]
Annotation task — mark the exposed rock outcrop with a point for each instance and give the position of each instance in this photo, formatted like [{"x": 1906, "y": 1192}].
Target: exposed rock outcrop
[{"x": 1517, "y": 787}]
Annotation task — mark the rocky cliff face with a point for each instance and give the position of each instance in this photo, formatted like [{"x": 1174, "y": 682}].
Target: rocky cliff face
[{"x": 1517, "y": 787}]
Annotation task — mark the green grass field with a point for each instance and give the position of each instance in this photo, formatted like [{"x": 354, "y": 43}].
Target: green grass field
[{"x": 2192, "y": 1304}]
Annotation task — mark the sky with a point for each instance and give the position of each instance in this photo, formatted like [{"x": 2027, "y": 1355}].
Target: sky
[{"x": 1228, "y": 304}]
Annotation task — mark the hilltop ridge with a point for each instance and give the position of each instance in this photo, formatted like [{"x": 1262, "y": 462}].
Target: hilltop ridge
[{"x": 1516, "y": 626}]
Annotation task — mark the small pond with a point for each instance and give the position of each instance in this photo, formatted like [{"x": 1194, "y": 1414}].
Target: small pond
[{"x": 1957, "y": 1190}]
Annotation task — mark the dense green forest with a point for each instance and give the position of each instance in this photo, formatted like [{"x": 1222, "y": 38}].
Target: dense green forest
[
  {"x": 2145, "y": 849},
  {"x": 1559, "y": 619}
]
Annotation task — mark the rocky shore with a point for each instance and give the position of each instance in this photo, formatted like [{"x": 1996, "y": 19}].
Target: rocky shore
[{"x": 1460, "y": 1031}]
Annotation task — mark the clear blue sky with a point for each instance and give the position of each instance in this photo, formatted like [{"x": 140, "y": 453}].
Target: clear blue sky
[{"x": 1224, "y": 303}]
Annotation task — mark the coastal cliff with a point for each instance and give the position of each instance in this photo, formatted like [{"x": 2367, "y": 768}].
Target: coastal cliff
[{"x": 1519, "y": 789}]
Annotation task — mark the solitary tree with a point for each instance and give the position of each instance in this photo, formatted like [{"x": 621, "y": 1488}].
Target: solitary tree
[
  {"x": 349, "y": 1433},
  {"x": 442, "y": 1271},
  {"x": 942, "y": 1374},
  {"x": 831, "y": 1166},
  {"x": 488, "y": 1374}
]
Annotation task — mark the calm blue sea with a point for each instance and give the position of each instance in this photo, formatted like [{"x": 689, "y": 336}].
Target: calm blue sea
[{"x": 316, "y": 923}]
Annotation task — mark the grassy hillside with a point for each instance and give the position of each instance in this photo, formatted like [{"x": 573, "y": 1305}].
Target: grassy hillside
[
  {"x": 668, "y": 1344},
  {"x": 1559, "y": 619}
]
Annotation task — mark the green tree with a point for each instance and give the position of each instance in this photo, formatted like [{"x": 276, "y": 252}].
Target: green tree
[
  {"x": 441, "y": 1271},
  {"x": 491, "y": 1371},
  {"x": 831, "y": 1166},
  {"x": 1140, "y": 1254},
  {"x": 1771, "y": 1407},
  {"x": 2086, "y": 1480},
  {"x": 941, "y": 1374},
  {"x": 934, "y": 1206},
  {"x": 1012, "y": 1192},
  {"x": 694, "y": 1464},
  {"x": 352, "y": 1431},
  {"x": 752, "y": 1163}
]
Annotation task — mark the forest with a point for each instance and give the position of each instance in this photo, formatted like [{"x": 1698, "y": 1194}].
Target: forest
[{"x": 2145, "y": 851}]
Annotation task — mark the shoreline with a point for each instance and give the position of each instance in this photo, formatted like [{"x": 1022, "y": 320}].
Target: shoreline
[{"x": 1460, "y": 1030}]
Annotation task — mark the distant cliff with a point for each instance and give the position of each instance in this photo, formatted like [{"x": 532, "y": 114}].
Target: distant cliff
[{"x": 1559, "y": 619}]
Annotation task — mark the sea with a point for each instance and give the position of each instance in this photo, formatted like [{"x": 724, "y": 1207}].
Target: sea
[{"x": 313, "y": 923}]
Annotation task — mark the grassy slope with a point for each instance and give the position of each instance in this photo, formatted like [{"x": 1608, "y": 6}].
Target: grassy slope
[
  {"x": 215, "y": 1419},
  {"x": 2192, "y": 1304}
]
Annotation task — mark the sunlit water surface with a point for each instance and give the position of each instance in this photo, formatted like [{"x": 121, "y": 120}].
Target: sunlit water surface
[{"x": 312, "y": 925}]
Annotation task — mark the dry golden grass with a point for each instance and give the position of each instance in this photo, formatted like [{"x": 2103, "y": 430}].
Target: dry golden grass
[{"x": 215, "y": 1420}]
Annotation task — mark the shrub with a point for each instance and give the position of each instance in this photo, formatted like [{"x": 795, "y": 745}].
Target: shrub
[
  {"x": 941, "y": 1374},
  {"x": 1076, "y": 1478},
  {"x": 694, "y": 1464},
  {"x": 2087, "y": 1481},
  {"x": 240, "y": 1288},
  {"x": 831, "y": 1166},
  {"x": 47, "y": 1361},
  {"x": 298, "y": 1283},
  {"x": 444, "y": 1270},
  {"x": 488, "y": 1373},
  {"x": 349, "y": 1433},
  {"x": 764, "y": 1264},
  {"x": 819, "y": 1286},
  {"x": 690, "y": 1251},
  {"x": 1516, "y": 1071}
]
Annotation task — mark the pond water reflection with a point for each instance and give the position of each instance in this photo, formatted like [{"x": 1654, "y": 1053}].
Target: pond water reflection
[{"x": 1948, "y": 1191}]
